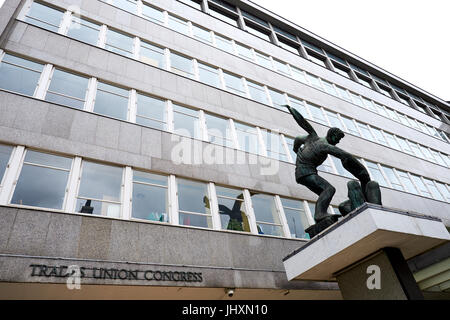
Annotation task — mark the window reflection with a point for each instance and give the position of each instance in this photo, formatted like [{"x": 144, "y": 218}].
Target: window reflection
[
  {"x": 193, "y": 204},
  {"x": 295, "y": 217},
  {"x": 19, "y": 75},
  {"x": 232, "y": 209},
  {"x": 266, "y": 215}
]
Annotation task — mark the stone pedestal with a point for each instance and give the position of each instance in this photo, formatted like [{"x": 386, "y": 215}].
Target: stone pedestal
[{"x": 365, "y": 253}]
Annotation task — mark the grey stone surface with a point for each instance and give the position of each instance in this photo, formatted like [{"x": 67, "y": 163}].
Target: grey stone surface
[
  {"x": 7, "y": 216},
  {"x": 62, "y": 236},
  {"x": 58, "y": 122},
  {"x": 95, "y": 238}
]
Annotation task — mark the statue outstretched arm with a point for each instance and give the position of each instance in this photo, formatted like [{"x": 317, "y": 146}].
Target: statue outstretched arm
[
  {"x": 302, "y": 122},
  {"x": 351, "y": 164}
]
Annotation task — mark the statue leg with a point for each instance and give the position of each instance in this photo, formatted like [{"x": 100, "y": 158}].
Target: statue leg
[
  {"x": 373, "y": 193},
  {"x": 324, "y": 189}
]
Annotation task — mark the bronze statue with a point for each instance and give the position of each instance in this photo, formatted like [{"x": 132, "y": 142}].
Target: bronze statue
[{"x": 311, "y": 152}]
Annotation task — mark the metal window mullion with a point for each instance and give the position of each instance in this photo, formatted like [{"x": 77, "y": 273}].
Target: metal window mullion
[
  {"x": 233, "y": 133},
  {"x": 307, "y": 109},
  {"x": 386, "y": 178},
  {"x": 214, "y": 206},
  {"x": 286, "y": 148},
  {"x": 283, "y": 220},
  {"x": 246, "y": 90},
  {"x": 397, "y": 175},
  {"x": 136, "y": 47},
  {"x": 65, "y": 23},
  {"x": 196, "y": 70},
  {"x": 11, "y": 174},
  {"x": 268, "y": 96},
  {"x": 102, "y": 36},
  {"x": 308, "y": 212},
  {"x": 261, "y": 142},
  {"x": 250, "y": 212},
  {"x": 170, "y": 117},
  {"x": 127, "y": 193},
  {"x": 132, "y": 106},
  {"x": 44, "y": 82},
  {"x": 357, "y": 127},
  {"x": 190, "y": 29},
  {"x": 71, "y": 194},
  {"x": 438, "y": 189},
  {"x": 173, "y": 200},
  {"x": 167, "y": 58},
  {"x": 414, "y": 183},
  {"x": 203, "y": 127},
  {"x": 241, "y": 23},
  {"x": 371, "y": 130},
  {"x": 90, "y": 96},
  {"x": 139, "y": 8},
  {"x": 426, "y": 187},
  {"x": 342, "y": 122}
]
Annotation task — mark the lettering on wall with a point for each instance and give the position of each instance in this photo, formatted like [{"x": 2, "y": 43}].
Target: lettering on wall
[{"x": 41, "y": 270}]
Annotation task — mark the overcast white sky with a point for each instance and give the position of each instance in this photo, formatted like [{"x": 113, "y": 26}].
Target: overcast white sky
[{"x": 409, "y": 38}]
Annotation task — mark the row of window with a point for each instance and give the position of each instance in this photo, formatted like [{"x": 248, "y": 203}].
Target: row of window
[
  {"x": 90, "y": 94},
  {"x": 36, "y": 179},
  {"x": 118, "y": 42},
  {"x": 27, "y": 77},
  {"x": 31, "y": 178},
  {"x": 305, "y": 49}
]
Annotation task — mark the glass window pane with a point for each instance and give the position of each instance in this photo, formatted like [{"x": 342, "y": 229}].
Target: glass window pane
[
  {"x": 44, "y": 17},
  {"x": 314, "y": 81},
  {"x": 244, "y": 52},
  {"x": 288, "y": 46},
  {"x": 433, "y": 189},
  {"x": 265, "y": 211},
  {"x": 247, "y": 138},
  {"x": 84, "y": 30},
  {"x": 404, "y": 145},
  {"x": 100, "y": 182},
  {"x": 392, "y": 114},
  {"x": 299, "y": 106},
  {"x": 5, "y": 154},
  {"x": 332, "y": 56},
  {"x": 351, "y": 127},
  {"x": 295, "y": 217},
  {"x": 290, "y": 145},
  {"x": 311, "y": 46},
  {"x": 67, "y": 89},
  {"x": 341, "y": 71},
  {"x": 281, "y": 67},
  {"x": 444, "y": 190},
  {"x": 15, "y": 78},
  {"x": 317, "y": 114},
  {"x": 119, "y": 43},
  {"x": 257, "y": 32},
  {"x": 278, "y": 99},
  {"x": 202, "y": 34},
  {"x": 186, "y": 122},
  {"x": 284, "y": 33},
  {"x": 153, "y": 14},
  {"x": 299, "y": 75},
  {"x": 274, "y": 145},
  {"x": 329, "y": 88},
  {"x": 193, "y": 197},
  {"x": 220, "y": 15},
  {"x": 182, "y": 65},
  {"x": 379, "y": 136},
  {"x": 151, "y": 112},
  {"x": 102, "y": 208},
  {"x": 127, "y": 5},
  {"x": 234, "y": 83},
  {"x": 193, "y": 3},
  {"x": 152, "y": 55},
  {"x": 334, "y": 120},
  {"x": 40, "y": 186},
  {"x": 178, "y": 25},
  {"x": 365, "y": 83},
  {"x": 263, "y": 60},
  {"x": 150, "y": 202},
  {"x": 368, "y": 104},
  {"x": 340, "y": 168},
  {"x": 365, "y": 131},
  {"x": 438, "y": 157},
  {"x": 407, "y": 182},
  {"x": 392, "y": 141},
  {"x": 232, "y": 209},
  {"x": 219, "y": 130},
  {"x": 208, "y": 75},
  {"x": 257, "y": 92},
  {"x": 317, "y": 60},
  {"x": 254, "y": 18},
  {"x": 111, "y": 101},
  {"x": 392, "y": 178},
  {"x": 376, "y": 173},
  {"x": 415, "y": 148},
  {"x": 224, "y": 44},
  {"x": 344, "y": 94},
  {"x": 419, "y": 184},
  {"x": 356, "y": 99}
]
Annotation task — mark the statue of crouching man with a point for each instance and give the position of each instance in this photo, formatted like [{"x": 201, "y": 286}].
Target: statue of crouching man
[{"x": 312, "y": 151}]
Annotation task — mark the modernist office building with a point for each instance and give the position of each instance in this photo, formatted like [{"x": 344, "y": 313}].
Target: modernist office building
[{"x": 143, "y": 147}]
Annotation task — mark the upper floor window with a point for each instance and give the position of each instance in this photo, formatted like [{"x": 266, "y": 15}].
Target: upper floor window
[
  {"x": 19, "y": 75},
  {"x": 100, "y": 188},
  {"x": 390, "y": 173},
  {"x": 290, "y": 146},
  {"x": 111, "y": 101},
  {"x": 234, "y": 83},
  {"x": 274, "y": 145},
  {"x": 248, "y": 138},
  {"x": 254, "y": 18},
  {"x": 244, "y": 52},
  {"x": 42, "y": 181},
  {"x": 219, "y": 131},
  {"x": 232, "y": 211},
  {"x": 5, "y": 154},
  {"x": 84, "y": 30},
  {"x": 224, "y": 43},
  {"x": 278, "y": 99},
  {"x": 182, "y": 65},
  {"x": 151, "y": 112},
  {"x": 194, "y": 205},
  {"x": 152, "y": 14},
  {"x": 44, "y": 16},
  {"x": 266, "y": 214},
  {"x": 257, "y": 92},
  {"x": 152, "y": 55},
  {"x": 219, "y": 14},
  {"x": 186, "y": 122},
  {"x": 119, "y": 43},
  {"x": 259, "y": 32},
  {"x": 376, "y": 174},
  {"x": 150, "y": 197},
  {"x": 178, "y": 25},
  {"x": 295, "y": 217},
  {"x": 288, "y": 46},
  {"x": 67, "y": 89},
  {"x": 193, "y": 3},
  {"x": 208, "y": 75},
  {"x": 127, "y": 5},
  {"x": 202, "y": 34}
]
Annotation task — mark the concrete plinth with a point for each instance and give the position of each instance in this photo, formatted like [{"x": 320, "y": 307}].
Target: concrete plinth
[{"x": 372, "y": 235}]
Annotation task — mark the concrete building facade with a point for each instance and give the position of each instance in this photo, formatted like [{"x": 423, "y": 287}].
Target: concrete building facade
[{"x": 145, "y": 145}]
